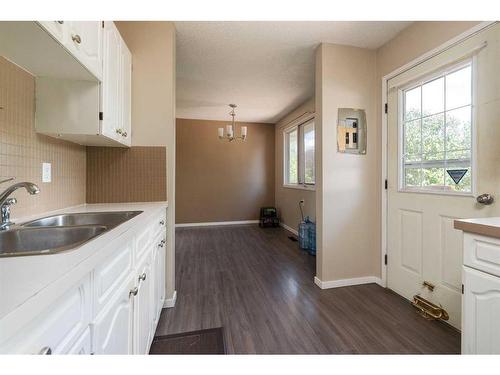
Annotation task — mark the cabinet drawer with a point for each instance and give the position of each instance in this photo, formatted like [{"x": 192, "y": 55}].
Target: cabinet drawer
[
  {"x": 58, "y": 328},
  {"x": 482, "y": 253},
  {"x": 155, "y": 227},
  {"x": 112, "y": 273}
]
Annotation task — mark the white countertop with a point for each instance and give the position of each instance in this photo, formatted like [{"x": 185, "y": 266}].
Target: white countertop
[{"x": 30, "y": 274}]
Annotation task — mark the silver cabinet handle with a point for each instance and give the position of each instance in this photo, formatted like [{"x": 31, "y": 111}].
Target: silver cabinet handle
[
  {"x": 485, "y": 199},
  {"x": 162, "y": 222},
  {"x": 119, "y": 131},
  {"x": 76, "y": 38},
  {"x": 142, "y": 277},
  {"x": 124, "y": 134},
  {"x": 161, "y": 244},
  {"x": 133, "y": 292},
  {"x": 46, "y": 350},
  {"x": 163, "y": 241}
]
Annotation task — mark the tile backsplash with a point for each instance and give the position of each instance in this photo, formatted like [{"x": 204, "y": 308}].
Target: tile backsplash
[{"x": 22, "y": 151}]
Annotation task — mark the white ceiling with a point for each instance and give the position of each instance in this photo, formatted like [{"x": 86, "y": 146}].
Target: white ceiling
[{"x": 266, "y": 68}]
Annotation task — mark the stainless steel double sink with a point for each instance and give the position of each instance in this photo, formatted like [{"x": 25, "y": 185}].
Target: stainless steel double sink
[{"x": 57, "y": 233}]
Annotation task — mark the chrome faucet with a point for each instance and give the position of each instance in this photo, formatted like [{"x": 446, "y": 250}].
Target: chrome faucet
[{"x": 6, "y": 202}]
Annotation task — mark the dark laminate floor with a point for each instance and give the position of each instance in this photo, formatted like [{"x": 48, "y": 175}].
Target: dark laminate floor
[{"x": 257, "y": 285}]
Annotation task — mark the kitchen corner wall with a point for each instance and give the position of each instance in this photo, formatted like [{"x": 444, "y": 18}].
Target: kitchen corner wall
[
  {"x": 152, "y": 44},
  {"x": 346, "y": 193},
  {"x": 287, "y": 199},
  {"x": 220, "y": 180},
  {"x": 22, "y": 151}
]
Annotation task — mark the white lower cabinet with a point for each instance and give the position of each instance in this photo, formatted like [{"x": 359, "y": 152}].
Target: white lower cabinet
[
  {"x": 114, "y": 309},
  {"x": 481, "y": 313}
]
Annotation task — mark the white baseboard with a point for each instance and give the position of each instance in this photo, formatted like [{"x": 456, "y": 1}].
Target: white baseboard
[
  {"x": 347, "y": 282},
  {"x": 212, "y": 223},
  {"x": 170, "y": 302},
  {"x": 290, "y": 229}
]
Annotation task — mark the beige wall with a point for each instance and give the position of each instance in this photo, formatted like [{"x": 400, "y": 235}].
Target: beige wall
[
  {"x": 22, "y": 151},
  {"x": 346, "y": 201},
  {"x": 222, "y": 181},
  {"x": 152, "y": 45},
  {"x": 287, "y": 199}
]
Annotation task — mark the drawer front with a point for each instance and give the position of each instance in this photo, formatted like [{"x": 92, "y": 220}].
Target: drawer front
[
  {"x": 112, "y": 273},
  {"x": 58, "y": 328},
  {"x": 482, "y": 253}
]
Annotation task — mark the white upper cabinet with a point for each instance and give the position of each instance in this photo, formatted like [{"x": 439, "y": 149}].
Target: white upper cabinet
[{"x": 85, "y": 112}]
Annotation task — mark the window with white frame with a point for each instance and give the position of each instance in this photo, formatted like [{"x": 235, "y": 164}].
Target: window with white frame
[
  {"x": 436, "y": 127},
  {"x": 299, "y": 155}
]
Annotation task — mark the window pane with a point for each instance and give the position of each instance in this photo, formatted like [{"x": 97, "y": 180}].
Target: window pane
[
  {"x": 458, "y": 129},
  {"x": 309, "y": 172},
  {"x": 412, "y": 177},
  {"x": 433, "y": 177},
  {"x": 412, "y": 104},
  {"x": 459, "y": 88},
  {"x": 293, "y": 177},
  {"x": 412, "y": 142},
  {"x": 433, "y": 97},
  {"x": 433, "y": 135}
]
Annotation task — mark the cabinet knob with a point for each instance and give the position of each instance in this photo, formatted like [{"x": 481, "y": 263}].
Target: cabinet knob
[
  {"x": 76, "y": 38},
  {"x": 485, "y": 199},
  {"x": 119, "y": 131},
  {"x": 46, "y": 350},
  {"x": 60, "y": 22},
  {"x": 162, "y": 222},
  {"x": 161, "y": 244},
  {"x": 124, "y": 134},
  {"x": 133, "y": 292},
  {"x": 142, "y": 277}
]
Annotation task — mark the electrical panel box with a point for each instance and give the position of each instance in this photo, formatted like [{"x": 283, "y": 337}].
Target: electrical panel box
[{"x": 351, "y": 131}]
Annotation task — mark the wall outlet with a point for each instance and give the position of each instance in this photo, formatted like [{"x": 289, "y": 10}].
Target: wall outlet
[{"x": 46, "y": 172}]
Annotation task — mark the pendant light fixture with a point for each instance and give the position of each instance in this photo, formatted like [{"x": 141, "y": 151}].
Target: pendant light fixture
[{"x": 230, "y": 131}]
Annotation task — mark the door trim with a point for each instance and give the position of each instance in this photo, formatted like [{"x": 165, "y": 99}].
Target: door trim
[{"x": 426, "y": 56}]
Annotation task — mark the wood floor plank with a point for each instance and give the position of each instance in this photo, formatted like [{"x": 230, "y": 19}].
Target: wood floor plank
[{"x": 259, "y": 286}]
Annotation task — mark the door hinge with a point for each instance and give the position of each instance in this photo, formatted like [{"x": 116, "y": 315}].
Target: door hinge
[
  {"x": 386, "y": 184},
  {"x": 386, "y": 107},
  {"x": 462, "y": 288},
  {"x": 385, "y": 259},
  {"x": 102, "y": 24},
  {"x": 101, "y": 116}
]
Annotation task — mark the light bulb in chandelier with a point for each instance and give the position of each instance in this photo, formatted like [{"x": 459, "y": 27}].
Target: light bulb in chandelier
[{"x": 230, "y": 132}]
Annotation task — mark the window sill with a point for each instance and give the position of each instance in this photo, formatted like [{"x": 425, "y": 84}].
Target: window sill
[
  {"x": 300, "y": 187},
  {"x": 437, "y": 192}
]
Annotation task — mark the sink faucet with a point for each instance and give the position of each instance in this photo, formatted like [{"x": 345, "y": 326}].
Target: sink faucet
[{"x": 6, "y": 202}]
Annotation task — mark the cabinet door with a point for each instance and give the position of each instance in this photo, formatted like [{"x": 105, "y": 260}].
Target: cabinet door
[
  {"x": 481, "y": 312},
  {"x": 111, "y": 78},
  {"x": 159, "y": 285},
  {"x": 126, "y": 93},
  {"x": 84, "y": 41},
  {"x": 112, "y": 329},
  {"x": 143, "y": 310}
]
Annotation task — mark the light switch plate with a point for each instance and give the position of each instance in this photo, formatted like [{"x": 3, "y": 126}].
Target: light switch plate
[{"x": 46, "y": 172}]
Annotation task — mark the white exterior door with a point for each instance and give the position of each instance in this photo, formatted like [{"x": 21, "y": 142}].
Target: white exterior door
[{"x": 439, "y": 127}]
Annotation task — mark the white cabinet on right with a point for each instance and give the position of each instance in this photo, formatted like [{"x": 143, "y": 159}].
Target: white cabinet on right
[{"x": 481, "y": 313}]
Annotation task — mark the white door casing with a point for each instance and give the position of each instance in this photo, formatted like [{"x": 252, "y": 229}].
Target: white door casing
[{"x": 421, "y": 241}]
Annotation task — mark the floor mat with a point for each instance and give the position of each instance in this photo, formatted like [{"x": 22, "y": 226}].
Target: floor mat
[{"x": 207, "y": 341}]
